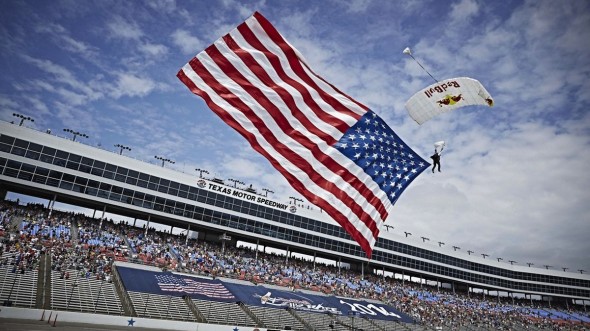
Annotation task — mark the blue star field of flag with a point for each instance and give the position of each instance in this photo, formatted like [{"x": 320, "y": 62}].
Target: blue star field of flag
[{"x": 375, "y": 147}]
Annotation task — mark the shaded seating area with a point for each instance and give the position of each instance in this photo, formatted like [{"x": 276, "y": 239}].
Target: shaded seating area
[
  {"x": 276, "y": 318},
  {"x": 223, "y": 313},
  {"x": 18, "y": 289},
  {"x": 79, "y": 293},
  {"x": 161, "y": 306}
]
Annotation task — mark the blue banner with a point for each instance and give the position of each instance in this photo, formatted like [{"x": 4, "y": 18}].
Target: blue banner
[
  {"x": 273, "y": 298},
  {"x": 167, "y": 283}
]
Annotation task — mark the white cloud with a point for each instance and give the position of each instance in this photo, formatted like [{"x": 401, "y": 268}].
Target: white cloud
[
  {"x": 153, "y": 50},
  {"x": 187, "y": 43},
  {"x": 132, "y": 85},
  {"x": 122, "y": 28}
]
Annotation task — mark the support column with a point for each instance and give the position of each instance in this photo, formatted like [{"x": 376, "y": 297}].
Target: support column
[
  {"x": 147, "y": 226},
  {"x": 256, "y": 256},
  {"x": 362, "y": 270},
  {"x": 51, "y": 204},
  {"x": 104, "y": 209},
  {"x": 188, "y": 229},
  {"x": 314, "y": 253},
  {"x": 171, "y": 228},
  {"x": 287, "y": 256},
  {"x": 134, "y": 220}
]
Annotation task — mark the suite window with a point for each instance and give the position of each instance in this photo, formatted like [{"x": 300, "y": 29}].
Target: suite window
[
  {"x": 32, "y": 155},
  {"x": 62, "y": 154},
  {"x": 52, "y": 180},
  {"x": 18, "y": 151},
  {"x": 5, "y": 148},
  {"x": 72, "y": 165},
  {"x": 21, "y": 143},
  {"x": 131, "y": 181},
  {"x": 75, "y": 158},
  {"x": 27, "y": 167},
  {"x": 92, "y": 188},
  {"x": 48, "y": 151},
  {"x": 8, "y": 140},
  {"x": 60, "y": 162},
  {"x": 46, "y": 158},
  {"x": 153, "y": 183},
  {"x": 68, "y": 178},
  {"x": 41, "y": 175},
  {"x": 25, "y": 175},
  {"x": 133, "y": 174}
]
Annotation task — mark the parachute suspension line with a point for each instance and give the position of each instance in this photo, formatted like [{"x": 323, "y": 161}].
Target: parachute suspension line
[{"x": 409, "y": 52}]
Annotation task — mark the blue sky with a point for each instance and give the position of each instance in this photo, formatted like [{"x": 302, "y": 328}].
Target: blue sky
[{"x": 514, "y": 180}]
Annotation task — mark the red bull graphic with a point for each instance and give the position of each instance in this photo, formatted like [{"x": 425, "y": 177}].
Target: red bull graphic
[
  {"x": 449, "y": 100},
  {"x": 441, "y": 88}
]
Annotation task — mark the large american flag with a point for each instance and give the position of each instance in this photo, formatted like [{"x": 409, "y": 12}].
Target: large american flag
[
  {"x": 172, "y": 283},
  {"x": 332, "y": 149}
]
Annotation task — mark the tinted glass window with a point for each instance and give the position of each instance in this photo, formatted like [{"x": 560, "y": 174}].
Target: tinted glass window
[
  {"x": 75, "y": 158},
  {"x": 7, "y": 139},
  {"x": 48, "y": 150},
  {"x": 35, "y": 147},
  {"x": 21, "y": 143}
]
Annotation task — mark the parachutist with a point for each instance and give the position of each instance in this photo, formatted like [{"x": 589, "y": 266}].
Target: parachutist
[{"x": 436, "y": 159}]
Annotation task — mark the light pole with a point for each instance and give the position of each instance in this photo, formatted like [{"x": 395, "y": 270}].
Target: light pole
[
  {"x": 456, "y": 248},
  {"x": 388, "y": 226},
  {"x": 76, "y": 133},
  {"x": 236, "y": 182},
  {"x": 201, "y": 171},
  {"x": 530, "y": 264},
  {"x": 512, "y": 262},
  {"x": 440, "y": 244},
  {"x": 564, "y": 269},
  {"x": 23, "y": 118},
  {"x": 484, "y": 255},
  {"x": 581, "y": 271},
  {"x": 548, "y": 266},
  {"x": 424, "y": 239},
  {"x": 267, "y": 191},
  {"x": 164, "y": 160},
  {"x": 407, "y": 233},
  {"x": 122, "y": 148},
  {"x": 499, "y": 259},
  {"x": 469, "y": 252},
  {"x": 295, "y": 200}
]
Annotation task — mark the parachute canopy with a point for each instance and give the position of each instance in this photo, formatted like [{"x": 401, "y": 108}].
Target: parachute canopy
[
  {"x": 439, "y": 145},
  {"x": 445, "y": 96}
]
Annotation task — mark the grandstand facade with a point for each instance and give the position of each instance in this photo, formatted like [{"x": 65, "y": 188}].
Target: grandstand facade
[{"x": 46, "y": 166}]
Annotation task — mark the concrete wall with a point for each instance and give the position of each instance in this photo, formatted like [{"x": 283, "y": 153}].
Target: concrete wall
[{"x": 106, "y": 320}]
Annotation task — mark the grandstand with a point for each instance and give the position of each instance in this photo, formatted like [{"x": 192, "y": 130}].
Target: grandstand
[{"x": 61, "y": 261}]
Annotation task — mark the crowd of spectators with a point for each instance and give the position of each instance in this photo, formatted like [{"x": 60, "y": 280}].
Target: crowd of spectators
[{"x": 89, "y": 246}]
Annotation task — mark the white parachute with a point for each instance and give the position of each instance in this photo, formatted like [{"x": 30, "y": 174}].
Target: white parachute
[
  {"x": 445, "y": 96},
  {"x": 439, "y": 145}
]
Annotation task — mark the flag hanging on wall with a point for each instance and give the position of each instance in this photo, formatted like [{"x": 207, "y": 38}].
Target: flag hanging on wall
[{"x": 332, "y": 149}]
